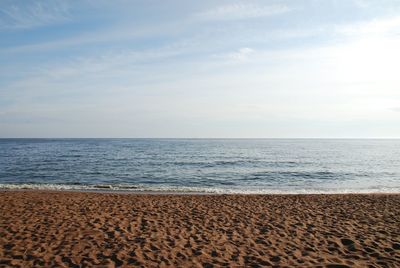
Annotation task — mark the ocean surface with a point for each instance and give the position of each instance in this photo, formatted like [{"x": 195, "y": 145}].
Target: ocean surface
[{"x": 202, "y": 165}]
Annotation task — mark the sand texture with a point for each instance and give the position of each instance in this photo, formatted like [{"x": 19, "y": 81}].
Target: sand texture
[{"x": 64, "y": 229}]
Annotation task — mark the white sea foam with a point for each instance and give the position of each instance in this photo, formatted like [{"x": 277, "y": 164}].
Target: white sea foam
[{"x": 193, "y": 190}]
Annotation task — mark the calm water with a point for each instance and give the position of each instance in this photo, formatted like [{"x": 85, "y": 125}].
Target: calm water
[{"x": 222, "y": 166}]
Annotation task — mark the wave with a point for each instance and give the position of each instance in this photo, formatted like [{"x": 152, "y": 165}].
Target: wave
[{"x": 191, "y": 190}]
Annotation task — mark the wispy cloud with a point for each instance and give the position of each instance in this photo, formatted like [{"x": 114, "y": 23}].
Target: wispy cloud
[
  {"x": 239, "y": 55},
  {"x": 111, "y": 63},
  {"x": 33, "y": 14},
  {"x": 241, "y": 11}
]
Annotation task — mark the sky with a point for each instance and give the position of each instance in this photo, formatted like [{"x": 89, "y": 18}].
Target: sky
[{"x": 200, "y": 69}]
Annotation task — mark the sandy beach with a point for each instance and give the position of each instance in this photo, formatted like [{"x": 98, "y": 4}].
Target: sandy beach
[{"x": 68, "y": 229}]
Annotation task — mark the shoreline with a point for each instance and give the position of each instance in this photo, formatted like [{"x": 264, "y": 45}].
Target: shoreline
[
  {"x": 59, "y": 228},
  {"x": 183, "y": 193},
  {"x": 186, "y": 190}
]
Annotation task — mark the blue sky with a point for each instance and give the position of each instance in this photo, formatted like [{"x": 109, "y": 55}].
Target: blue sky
[{"x": 254, "y": 69}]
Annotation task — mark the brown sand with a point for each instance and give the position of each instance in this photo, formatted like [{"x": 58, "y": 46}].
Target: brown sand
[{"x": 93, "y": 229}]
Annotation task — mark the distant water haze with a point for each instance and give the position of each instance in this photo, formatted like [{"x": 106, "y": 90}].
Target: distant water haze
[{"x": 202, "y": 165}]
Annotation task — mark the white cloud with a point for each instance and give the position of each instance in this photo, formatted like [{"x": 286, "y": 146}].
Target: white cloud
[
  {"x": 33, "y": 14},
  {"x": 240, "y": 55},
  {"x": 241, "y": 11}
]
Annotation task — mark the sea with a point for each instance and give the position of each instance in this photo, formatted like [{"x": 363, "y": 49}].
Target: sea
[{"x": 222, "y": 166}]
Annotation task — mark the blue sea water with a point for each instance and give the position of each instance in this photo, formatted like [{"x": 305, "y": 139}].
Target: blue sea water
[{"x": 202, "y": 165}]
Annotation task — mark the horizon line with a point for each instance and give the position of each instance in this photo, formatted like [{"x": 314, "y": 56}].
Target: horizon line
[{"x": 216, "y": 138}]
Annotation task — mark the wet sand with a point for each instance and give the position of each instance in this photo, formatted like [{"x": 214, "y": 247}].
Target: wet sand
[{"x": 67, "y": 229}]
